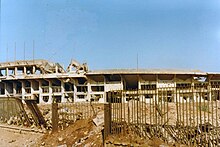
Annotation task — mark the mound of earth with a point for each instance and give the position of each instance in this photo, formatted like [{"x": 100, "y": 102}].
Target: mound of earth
[{"x": 81, "y": 133}]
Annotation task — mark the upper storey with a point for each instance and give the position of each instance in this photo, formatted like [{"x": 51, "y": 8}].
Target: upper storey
[
  {"x": 35, "y": 69},
  {"x": 38, "y": 68},
  {"x": 42, "y": 66}
]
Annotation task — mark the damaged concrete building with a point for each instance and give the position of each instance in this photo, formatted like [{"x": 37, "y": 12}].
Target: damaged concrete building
[{"x": 45, "y": 81}]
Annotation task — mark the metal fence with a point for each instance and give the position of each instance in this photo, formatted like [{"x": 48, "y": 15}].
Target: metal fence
[
  {"x": 67, "y": 113},
  {"x": 12, "y": 112},
  {"x": 183, "y": 114}
]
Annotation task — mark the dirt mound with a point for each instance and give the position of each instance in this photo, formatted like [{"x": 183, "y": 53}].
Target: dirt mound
[{"x": 81, "y": 133}]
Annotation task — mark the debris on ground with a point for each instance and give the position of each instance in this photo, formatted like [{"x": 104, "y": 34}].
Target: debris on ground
[{"x": 81, "y": 133}]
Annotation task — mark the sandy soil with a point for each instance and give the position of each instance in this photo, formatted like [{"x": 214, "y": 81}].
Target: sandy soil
[
  {"x": 13, "y": 138},
  {"x": 81, "y": 133}
]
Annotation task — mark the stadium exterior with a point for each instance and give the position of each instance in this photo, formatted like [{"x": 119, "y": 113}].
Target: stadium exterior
[{"x": 45, "y": 81}]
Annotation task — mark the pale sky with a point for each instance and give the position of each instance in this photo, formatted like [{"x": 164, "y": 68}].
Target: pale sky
[{"x": 174, "y": 34}]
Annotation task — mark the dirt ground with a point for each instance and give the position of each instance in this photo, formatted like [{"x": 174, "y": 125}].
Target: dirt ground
[
  {"x": 12, "y": 138},
  {"x": 81, "y": 133}
]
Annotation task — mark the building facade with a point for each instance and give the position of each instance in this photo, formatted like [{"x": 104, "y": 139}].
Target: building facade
[{"x": 45, "y": 82}]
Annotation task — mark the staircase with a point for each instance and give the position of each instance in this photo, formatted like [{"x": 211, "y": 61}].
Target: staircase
[{"x": 37, "y": 115}]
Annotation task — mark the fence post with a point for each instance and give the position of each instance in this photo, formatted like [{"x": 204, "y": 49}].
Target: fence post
[
  {"x": 54, "y": 117},
  {"x": 107, "y": 120}
]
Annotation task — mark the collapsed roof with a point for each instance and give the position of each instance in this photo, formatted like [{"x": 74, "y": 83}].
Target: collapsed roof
[{"x": 44, "y": 65}]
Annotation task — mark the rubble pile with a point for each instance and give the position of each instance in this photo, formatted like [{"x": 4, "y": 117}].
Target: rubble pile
[
  {"x": 14, "y": 120},
  {"x": 82, "y": 133}
]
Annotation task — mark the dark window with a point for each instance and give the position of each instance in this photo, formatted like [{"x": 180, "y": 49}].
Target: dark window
[
  {"x": 82, "y": 81},
  {"x": 97, "y": 88},
  {"x": 82, "y": 89},
  {"x": 81, "y": 96}
]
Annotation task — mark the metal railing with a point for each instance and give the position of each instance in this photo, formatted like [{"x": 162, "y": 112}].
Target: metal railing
[
  {"x": 68, "y": 113},
  {"x": 189, "y": 114}
]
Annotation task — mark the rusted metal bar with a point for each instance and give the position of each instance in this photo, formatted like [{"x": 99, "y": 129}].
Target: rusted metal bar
[
  {"x": 217, "y": 94},
  {"x": 196, "y": 109}
]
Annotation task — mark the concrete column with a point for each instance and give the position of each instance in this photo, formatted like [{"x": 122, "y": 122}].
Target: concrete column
[
  {"x": 63, "y": 99},
  {"x": 25, "y": 71},
  {"x": 16, "y": 70},
  {"x": 32, "y": 90},
  {"x": 74, "y": 89},
  {"x": 40, "y": 93},
  {"x": 122, "y": 85},
  {"x": 104, "y": 95},
  {"x": 6, "y": 72},
  {"x": 50, "y": 93},
  {"x": 193, "y": 91},
  {"x": 157, "y": 86},
  {"x": 33, "y": 69},
  {"x": 175, "y": 92},
  {"x": 209, "y": 91},
  {"x": 139, "y": 82},
  {"x": 89, "y": 90},
  {"x": 56, "y": 69},
  {"x": 23, "y": 89}
]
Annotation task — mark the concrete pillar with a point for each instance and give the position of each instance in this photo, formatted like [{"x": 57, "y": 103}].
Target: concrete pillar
[
  {"x": 32, "y": 89},
  {"x": 40, "y": 92},
  {"x": 33, "y": 70},
  {"x": 139, "y": 82},
  {"x": 50, "y": 93},
  {"x": 104, "y": 95},
  {"x": 89, "y": 90},
  {"x": 56, "y": 69},
  {"x": 175, "y": 91},
  {"x": 122, "y": 85},
  {"x": 157, "y": 86},
  {"x": 6, "y": 72},
  {"x": 25, "y": 70},
  {"x": 16, "y": 70},
  {"x": 74, "y": 89},
  {"x": 193, "y": 91},
  {"x": 63, "y": 99},
  {"x": 23, "y": 89},
  {"x": 209, "y": 91}
]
